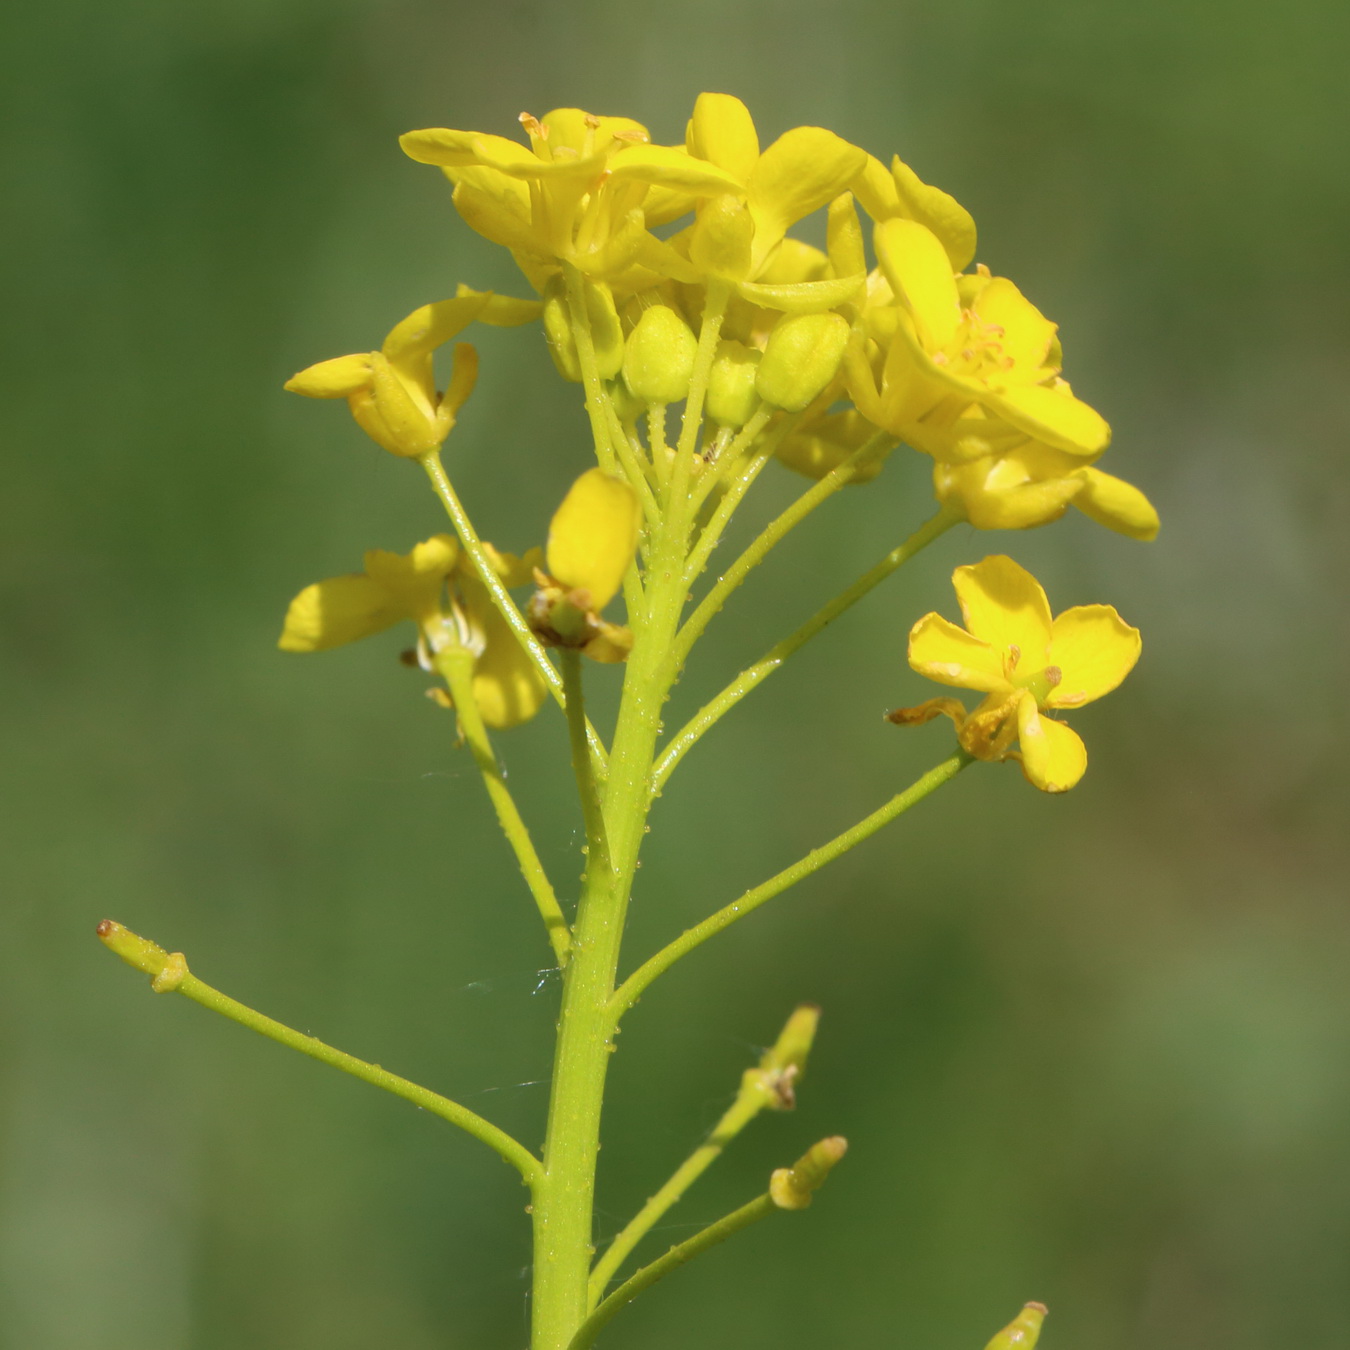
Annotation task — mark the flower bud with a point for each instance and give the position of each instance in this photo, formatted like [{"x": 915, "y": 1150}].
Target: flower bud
[
  {"x": 606, "y": 334},
  {"x": 1022, "y": 1332},
  {"x": 802, "y": 356},
  {"x": 731, "y": 399},
  {"x": 593, "y": 537},
  {"x": 658, "y": 358},
  {"x": 792, "y": 1187}
]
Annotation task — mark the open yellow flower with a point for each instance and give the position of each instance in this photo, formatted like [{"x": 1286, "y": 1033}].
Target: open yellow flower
[
  {"x": 1025, "y": 663},
  {"x": 586, "y": 191},
  {"x": 435, "y": 586},
  {"x": 967, "y": 370},
  {"x": 392, "y": 392}
]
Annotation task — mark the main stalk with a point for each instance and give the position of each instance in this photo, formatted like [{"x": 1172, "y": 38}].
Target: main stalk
[{"x": 564, "y": 1199}]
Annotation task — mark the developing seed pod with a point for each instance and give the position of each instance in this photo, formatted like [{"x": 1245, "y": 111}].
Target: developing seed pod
[
  {"x": 731, "y": 399},
  {"x": 658, "y": 358},
  {"x": 802, "y": 356}
]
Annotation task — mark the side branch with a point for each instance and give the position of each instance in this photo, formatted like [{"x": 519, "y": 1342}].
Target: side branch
[
  {"x": 692, "y": 731},
  {"x": 169, "y": 973},
  {"x": 759, "y": 549},
  {"x": 501, "y": 597},
  {"x": 677, "y": 1256},
  {"x": 770, "y": 1085},
  {"x": 632, "y": 988}
]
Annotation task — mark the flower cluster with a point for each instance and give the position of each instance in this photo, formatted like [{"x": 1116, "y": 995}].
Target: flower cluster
[{"x": 668, "y": 275}]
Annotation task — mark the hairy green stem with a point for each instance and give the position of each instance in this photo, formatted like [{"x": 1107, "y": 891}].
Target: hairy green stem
[
  {"x": 753, "y": 676},
  {"x": 632, "y": 988},
  {"x": 456, "y": 665}
]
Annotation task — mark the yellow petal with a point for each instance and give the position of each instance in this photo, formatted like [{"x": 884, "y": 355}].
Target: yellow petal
[
  {"x": 498, "y": 208},
  {"x": 793, "y": 261},
  {"x": 1027, "y": 333},
  {"x": 801, "y": 171},
  {"x": 1053, "y": 755},
  {"x": 1118, "y": 505},
  {"x": 920, "y": 273},
  {"x": 844, "y": 238},
  {"x": 997, "y": 494},
  {"x": 1094, "y": 649},
  {"x": 593, "y": 536},
  {"x": 413, "y": 580},
  {"x": 1005, "y": 606},
  {"x": 340, "y": 377},
  {"x": 501, "y": 311},
  {"x": 671, "y": 167},
  {"x": 507, "y": 685},
  {"x": 339, "y": 610},
  {"x": 874, "y": 186},
  {"x": 429, "y": 327},
  {"x": 723, "y": 132},
  {"x": 948, "y": 654},
  {"x": 514, "y": 570},
  {"x": 463, "y": 377},
  {"x": 944, "y": 215},
  {"x": 1053, "y": 415},
  {"x": 460, "y": 149},
  {"x": 585, "y": 134}
]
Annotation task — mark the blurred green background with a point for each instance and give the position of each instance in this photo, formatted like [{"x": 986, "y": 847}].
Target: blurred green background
[{"x": 1091, "y": 1050}]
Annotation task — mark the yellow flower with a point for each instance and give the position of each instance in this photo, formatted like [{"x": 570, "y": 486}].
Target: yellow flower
[
  {"x": 955, "y": 341},
  {"x": 392, "y": 392},
  {"x": 1030, "y": 484},
  {"x": 966, "y": 369},
  {"x": 803, "y": 170},
  {"x": 585, "y": 191},
  {"x": 1025, "y": 663},
  {"x": 592, "y": 540},
  {"x": 436, "y": 587}
]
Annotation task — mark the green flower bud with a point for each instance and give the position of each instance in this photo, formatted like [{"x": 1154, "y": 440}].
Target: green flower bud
[
  {"x": 803, "y": 355},
  {"x": 658, "y": 358},
  {"x": 606, "y": 333},
  {"x": 731, "y": 399}
]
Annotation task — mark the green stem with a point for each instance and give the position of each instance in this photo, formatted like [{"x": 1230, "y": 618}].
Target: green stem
[
  {"x": 677, "y": 1256},
  {"x": 501, "y": 597},
  {"x": 727, "y": 456},
  {"x": 632, "y": 988},
  {"x": 596, "y": 402},
  {"x": 170, "y": 974},
  {"x": 564, "y": 1202},
  {"x": 456, "y": 666},
  {"x": 754, "y": 1095},
  {"x": 750, "y": 678},
  {"x": 679, "y": 506},
  {"x": 591, "y": 809},
  {"x": 711, "y": 534},
  {"x": 757, "y": 551}
]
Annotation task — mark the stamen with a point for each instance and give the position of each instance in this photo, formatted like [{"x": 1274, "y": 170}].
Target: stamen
[
  {"x": 1053, "y": 675},
  {"x": 534, "y": 126}
]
